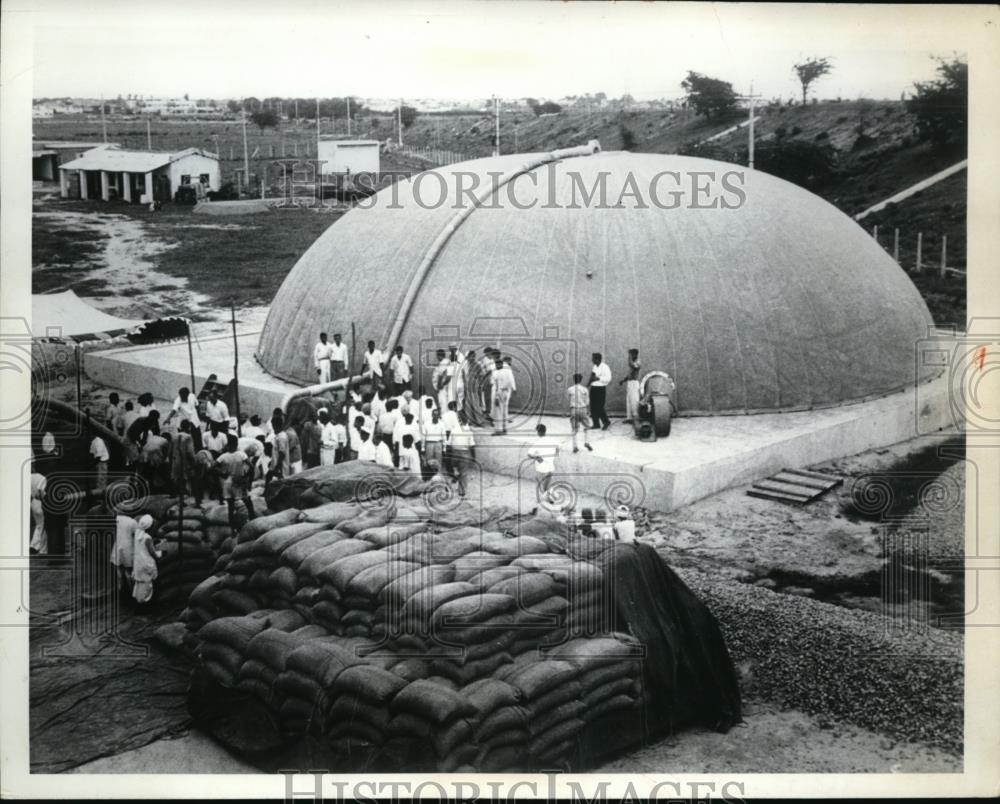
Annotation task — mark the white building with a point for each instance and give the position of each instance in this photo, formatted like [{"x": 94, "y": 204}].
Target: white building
[
  {"x": 349, "y": 157},
  {"x": 140, "y": 176}
]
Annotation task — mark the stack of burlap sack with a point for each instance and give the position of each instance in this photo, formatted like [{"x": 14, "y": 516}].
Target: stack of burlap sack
[{"x": 389, "y": 629}]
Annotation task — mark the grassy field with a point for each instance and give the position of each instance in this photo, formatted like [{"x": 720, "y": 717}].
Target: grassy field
[{"x": 240, "y": 260}]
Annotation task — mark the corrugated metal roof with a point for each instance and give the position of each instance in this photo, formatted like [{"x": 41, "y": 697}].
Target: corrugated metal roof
[{"x": 113, "y": 159}]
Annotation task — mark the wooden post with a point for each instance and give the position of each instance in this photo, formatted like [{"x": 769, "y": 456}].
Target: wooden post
[
  {"x": 79, "y": 371},
  {"x": 895, "y": 244},
  {"x": 944, "y": 254},
  {"x": 236, "y": 371},
  {"x": 194, "y": 389},
  {"x": 920, "y": 243}
]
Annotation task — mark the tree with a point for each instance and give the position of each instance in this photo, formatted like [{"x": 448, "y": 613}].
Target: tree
[
  {"x": 809, "y": 71},
  {"x": 264, "y": 119},
  {"x": 407, "y": 114},
  {"x": 548, "y": 107},
  {"x": 233, "y": 106},
  {"x": 942, "y": 106},
  {"x": 710, "y": 97}
]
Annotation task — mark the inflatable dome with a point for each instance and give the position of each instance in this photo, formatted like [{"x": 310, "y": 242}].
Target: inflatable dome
[{"x": 751, "y": 292}]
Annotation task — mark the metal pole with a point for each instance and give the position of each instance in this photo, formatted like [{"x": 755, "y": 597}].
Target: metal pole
[
  {"x": 895, "y": 244},
  {"x": 944, "y": 254},
  {"x": 246, "y": 156},
  {"x": 920, "y": 243},
  {"x": 236, "y": 371},
  {"x": 194, "y": 389},
  {"x": 79, "y": 371},
  {"x": 751, "y": 134},
  {"x": 149, "y": 137}
]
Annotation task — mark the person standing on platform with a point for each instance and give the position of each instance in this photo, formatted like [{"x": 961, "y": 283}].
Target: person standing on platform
[
  {"x": 409, "y": 458},
  {"x": 600, "y": 378},
  {"x": 338, "y": 357},
  {"x": 235, "y": 470},
  {"x": 280, "y": 465},
  {"x": 543, "y": 453},
  {"x": 373, "y": 360},
  {"x": 441, "y": 380},
  {"x": 322, "y": 357},
  {"x": 99, "y": 452},
  {"x": 457, "y": 370},
  {"x": 434, "y": 435},
  {"x": 462, "y": 449},
  {"x": 366, "y": 447},
  {"x": 503, "y": 388},
  {"x": 185, "y": 408},
  {"x": 401, "y": 367},
  {"x": 215, "y": 409},
  {"x": 631, "y": 383},
  {"x": 579, "y": 410},
  {"x": 383, "y": 455}
]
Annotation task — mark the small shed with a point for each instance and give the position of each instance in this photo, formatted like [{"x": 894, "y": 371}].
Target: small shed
[
  {"x": 349, "y": 157},
  {"x": 138, "y": 176},
  {"x": 48, "y": 155}
]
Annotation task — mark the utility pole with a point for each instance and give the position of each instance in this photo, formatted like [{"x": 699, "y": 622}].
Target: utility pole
[
  {"x": 752, "y": 98},
  {"x": 496, "y": 114},
  {"x": 317, "y": 128},
  {"x": 246, "y": 156},
  {"x": 348, "y": 115},
  {"x": 149, "y": 136},
  {"x": 104, "y": 125},
  {"x": 236, "y": 370},
  {"x": 399, "y": 121}
]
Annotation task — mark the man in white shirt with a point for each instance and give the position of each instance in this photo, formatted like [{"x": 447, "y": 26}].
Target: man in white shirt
[
  {"x": 441, "y": 380},
  {"x": 487, "y": 366},
  {"x": 425, "y": 411},
  {"x": 253, "y": 430},
  {"x": 458, "y": 367},
  {"x": 579, "y": 410},
  {"x": 387, "y": 421},
  {"x": 215, "y": 409},
  {"x": 450, "y": 420},
  {"x": 373, "y": 360},
  {"x": 99, "y": 452},
  {"x": 462, "y": 446},
  {"x": 329, "y": 441},
  {"x": 543, "y": 453},
  {"x": 185, "y": 407},
  {"x": 600, "y": 378},
  {"x": 216, "y": 440},
  {"x": 409, "y": 458},
  {"x": 503, "y": 388},
  {"x": 401, "y": 367},
  {"x": 383, "y": 455},
  {"x": 378, "y": 404},
  {"x": 434, "y": 435},
  {"x": 338, "y": 357},
  {"x": 322, "y": 356},
  {"x": 366, "y": 447},
  {"x": 406, "y": 426}
]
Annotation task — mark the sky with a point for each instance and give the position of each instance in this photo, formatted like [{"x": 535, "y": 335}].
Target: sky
[{"x": 472, "y": 50}]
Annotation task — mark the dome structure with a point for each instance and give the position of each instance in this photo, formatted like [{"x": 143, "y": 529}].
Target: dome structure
[{"x": 751, "y": 292}]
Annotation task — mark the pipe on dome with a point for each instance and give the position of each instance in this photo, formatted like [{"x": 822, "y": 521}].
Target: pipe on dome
[{"x": 434, "y": 251}]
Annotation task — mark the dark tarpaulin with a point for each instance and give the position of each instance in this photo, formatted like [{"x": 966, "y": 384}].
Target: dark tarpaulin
[{"x": 688, "y": 670}]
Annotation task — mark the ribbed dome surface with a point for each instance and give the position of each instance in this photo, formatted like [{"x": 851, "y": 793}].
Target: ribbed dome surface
[{"x": 781, "y": 303}]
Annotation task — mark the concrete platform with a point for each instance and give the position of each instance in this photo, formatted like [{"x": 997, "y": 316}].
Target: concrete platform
[{"x": 702, "y": 456}]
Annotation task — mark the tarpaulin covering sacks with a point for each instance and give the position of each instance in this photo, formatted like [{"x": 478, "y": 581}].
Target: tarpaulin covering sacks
[{"x": 379, "y": 656}]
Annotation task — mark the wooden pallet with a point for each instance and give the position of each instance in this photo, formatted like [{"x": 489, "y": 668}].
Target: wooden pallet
[{"x": 794, "y": 486}]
